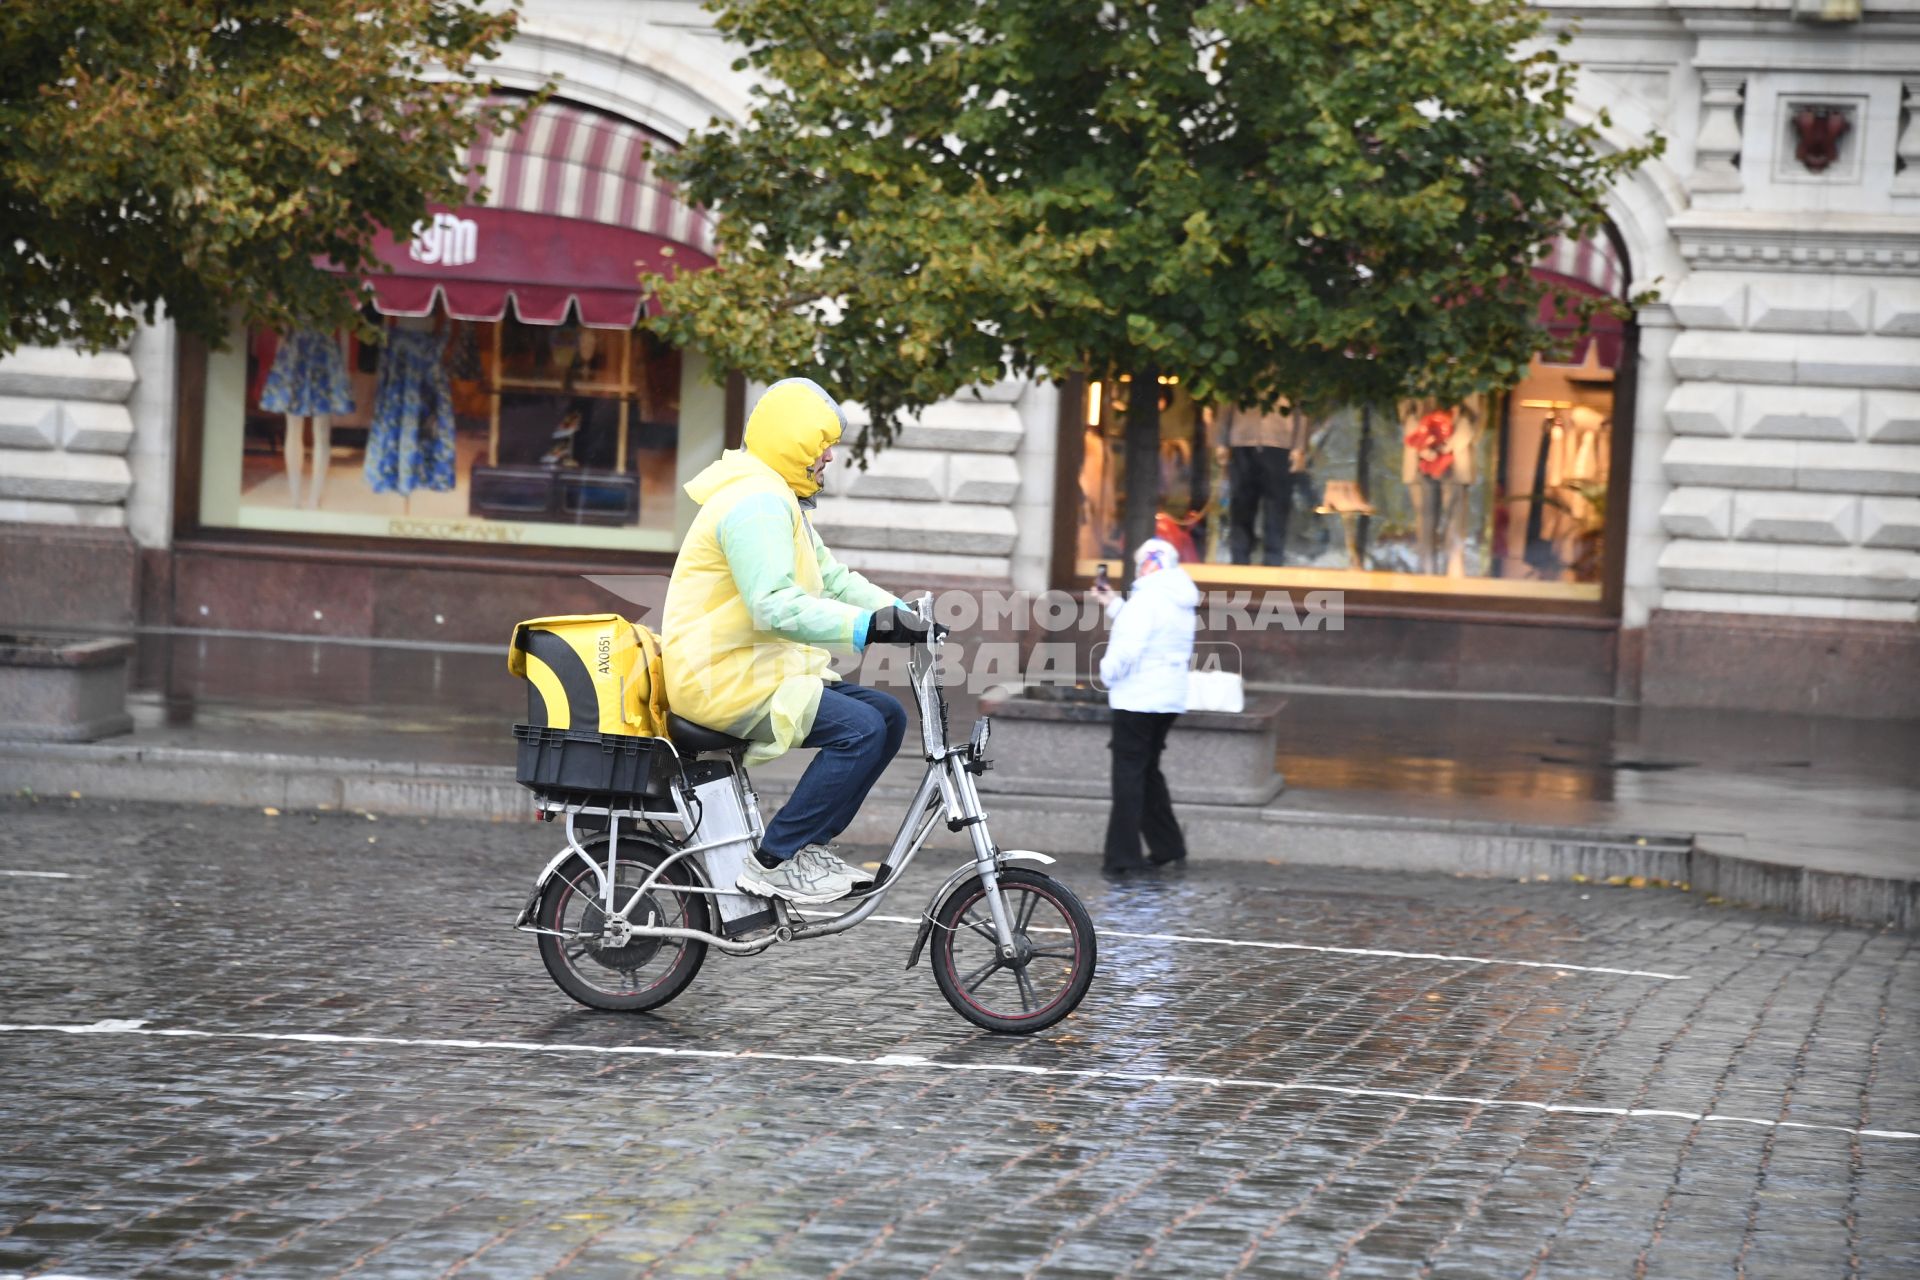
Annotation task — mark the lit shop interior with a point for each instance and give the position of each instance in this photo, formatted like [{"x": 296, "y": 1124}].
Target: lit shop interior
[
  {"x": 458, "y": 421},
  {"x": 1504, "y": 495}
]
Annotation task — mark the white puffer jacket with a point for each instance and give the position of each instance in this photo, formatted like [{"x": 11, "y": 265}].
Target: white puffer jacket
[{"x": 1145, "y": 664}]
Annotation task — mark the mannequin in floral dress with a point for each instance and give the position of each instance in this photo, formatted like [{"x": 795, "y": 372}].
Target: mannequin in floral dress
[
  {"x": 410, "y": 441},
  {"x": 308, "y": 383}
]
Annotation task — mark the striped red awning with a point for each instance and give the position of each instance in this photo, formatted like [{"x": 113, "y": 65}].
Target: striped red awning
[
  {"x": 569, "y": 162},
  {"x": 573, "y": 215},
  {"x": 1589, "y": 266}
]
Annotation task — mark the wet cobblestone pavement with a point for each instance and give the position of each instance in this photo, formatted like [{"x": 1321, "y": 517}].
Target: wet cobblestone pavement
[{"x": 308, "y": 1045}]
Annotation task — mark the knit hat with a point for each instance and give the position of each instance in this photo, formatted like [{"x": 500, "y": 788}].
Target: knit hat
[{"x": 1154, "y": 555}]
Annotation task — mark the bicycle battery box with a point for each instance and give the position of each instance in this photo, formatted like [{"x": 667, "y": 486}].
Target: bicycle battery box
[
  {"x": 581, "y": 763},
  {"x": 723, "y": 818}
]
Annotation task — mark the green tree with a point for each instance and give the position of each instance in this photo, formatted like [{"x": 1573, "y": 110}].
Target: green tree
[
  {"x": 1334, "y": 200},
  {"x": 200, "y": 154}
]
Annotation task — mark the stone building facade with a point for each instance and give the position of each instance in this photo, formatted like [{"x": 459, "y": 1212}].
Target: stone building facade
[
  {"x": 1767, "y": 492},
  {"x": 1774, "y": 549}
]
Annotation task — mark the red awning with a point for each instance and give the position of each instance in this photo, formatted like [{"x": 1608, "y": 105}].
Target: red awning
[
  {"x": 1589, "y": 267},
  {"x": 573, "y": 216},
  {"x": 475, "y": 259}
]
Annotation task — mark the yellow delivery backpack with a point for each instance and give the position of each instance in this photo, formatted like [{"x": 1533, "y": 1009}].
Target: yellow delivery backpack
[
  {"x": 595, "y": 672},
  {"x": 596, "y": 709}
]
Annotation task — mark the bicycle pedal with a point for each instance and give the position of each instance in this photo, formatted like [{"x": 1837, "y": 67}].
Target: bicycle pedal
[{"x": 880, "y": 879}]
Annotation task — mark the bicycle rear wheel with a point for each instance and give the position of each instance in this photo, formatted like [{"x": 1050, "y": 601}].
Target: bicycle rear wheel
[
  {"x": 590, "y": 961},
  {"x": 1054, "y": 953}
]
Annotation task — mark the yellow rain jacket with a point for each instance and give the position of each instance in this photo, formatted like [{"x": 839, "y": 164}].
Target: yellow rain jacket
[{"x": 755, "y": 594}]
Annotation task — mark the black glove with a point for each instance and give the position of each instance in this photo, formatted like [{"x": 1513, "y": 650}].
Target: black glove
[{"x": 894, "y": 625}]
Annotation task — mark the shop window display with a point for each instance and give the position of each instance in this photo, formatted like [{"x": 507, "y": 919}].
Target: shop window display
[
  {"x": 449, "y": 428},
  {"x": 1500, "y": 495}
]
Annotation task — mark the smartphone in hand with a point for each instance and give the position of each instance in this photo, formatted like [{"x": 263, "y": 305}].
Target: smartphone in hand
[{"x": 1100, "y": 582}]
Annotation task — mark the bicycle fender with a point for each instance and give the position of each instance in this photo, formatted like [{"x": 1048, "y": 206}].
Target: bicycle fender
[
  {"x": 920, "y": 941},
  {"x": 540, "y": 881},
  {"x": 953, "y": 882}
]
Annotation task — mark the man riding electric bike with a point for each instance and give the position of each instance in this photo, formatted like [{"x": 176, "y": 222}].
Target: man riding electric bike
[{"x": 754, "y": 605}]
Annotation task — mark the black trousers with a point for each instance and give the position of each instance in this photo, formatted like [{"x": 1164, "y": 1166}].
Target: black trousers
[
  {"x": 1261, "y": 484},
  {"x": 1141, "y": 805}
]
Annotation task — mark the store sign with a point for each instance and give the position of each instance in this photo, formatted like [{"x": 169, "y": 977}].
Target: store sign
[
  {"x": 446, "y": 241},
  {"x": 455, "y": 530}
]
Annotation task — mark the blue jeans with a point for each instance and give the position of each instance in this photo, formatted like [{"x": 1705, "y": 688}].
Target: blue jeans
[{"x": 857, "y": 730}]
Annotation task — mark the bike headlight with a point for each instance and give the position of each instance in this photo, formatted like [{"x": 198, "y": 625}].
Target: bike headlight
[{"x": 981, "y": 728}]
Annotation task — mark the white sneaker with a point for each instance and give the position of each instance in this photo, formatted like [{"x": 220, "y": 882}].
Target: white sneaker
[
  {"x": 820, "y": 853},
  {"x": 800, "y": 879}
]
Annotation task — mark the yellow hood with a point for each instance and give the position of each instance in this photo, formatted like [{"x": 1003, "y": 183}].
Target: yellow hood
[{"x": 795, "y": 421}]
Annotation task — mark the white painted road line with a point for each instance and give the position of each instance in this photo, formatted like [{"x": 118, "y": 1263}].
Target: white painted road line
[
  {"x": 914, "y": 1062},
  {"x": 1554, "y": 965},
  {"x": 41, "y": 875}
]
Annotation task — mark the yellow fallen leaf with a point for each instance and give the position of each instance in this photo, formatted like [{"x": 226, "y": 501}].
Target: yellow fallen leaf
[
  {"x": 271, "y": 812},
  {"x": 1636, "y": 882},
  {"x": 73, "y": 795},
  {"x": 1578, "y": 878}
]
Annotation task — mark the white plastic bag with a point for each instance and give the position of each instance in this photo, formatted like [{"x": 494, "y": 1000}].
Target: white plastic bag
[{"x": 1215, "y": 691}]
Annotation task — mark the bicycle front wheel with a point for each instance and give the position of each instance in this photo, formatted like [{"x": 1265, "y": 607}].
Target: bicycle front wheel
[{"x": 1053, "y": 961}]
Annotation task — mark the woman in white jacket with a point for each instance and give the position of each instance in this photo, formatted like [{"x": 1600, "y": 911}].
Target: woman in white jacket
[{"x": 1145, "y": 671}]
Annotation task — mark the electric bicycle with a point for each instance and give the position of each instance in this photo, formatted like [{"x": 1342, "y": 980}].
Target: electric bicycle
[{"x": 645, "y": 886}]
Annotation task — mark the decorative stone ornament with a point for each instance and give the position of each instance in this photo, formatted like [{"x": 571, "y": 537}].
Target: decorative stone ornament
[
  {"x": 1817, "y": 131},
  {"x": 1906, "y": 156},
  {"x": 1717, "y": 151}
]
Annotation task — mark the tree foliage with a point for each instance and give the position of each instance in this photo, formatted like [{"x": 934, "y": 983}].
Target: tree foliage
[
  {"x": 1326, "y": 200},
  {"x": 200, "y": 154}
]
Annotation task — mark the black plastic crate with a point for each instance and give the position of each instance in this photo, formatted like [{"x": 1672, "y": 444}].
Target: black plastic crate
[{"x": 583, "y": 763}]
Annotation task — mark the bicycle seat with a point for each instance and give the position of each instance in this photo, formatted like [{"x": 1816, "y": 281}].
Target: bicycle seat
[{"x": 697, "y": 739}]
